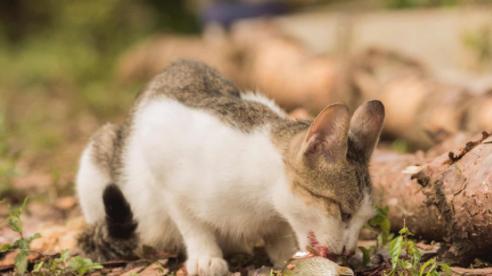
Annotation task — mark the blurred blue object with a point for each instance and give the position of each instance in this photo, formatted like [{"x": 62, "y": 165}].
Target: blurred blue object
[{"x": 226, "y": 13}]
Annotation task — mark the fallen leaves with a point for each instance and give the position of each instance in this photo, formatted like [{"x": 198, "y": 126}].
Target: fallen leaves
[
  {"x": 65, "y": 203},
  {"x": 59, "y": 237}
]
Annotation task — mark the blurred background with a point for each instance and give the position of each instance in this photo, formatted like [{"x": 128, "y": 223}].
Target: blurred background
[{"x": 69, "y": 66}]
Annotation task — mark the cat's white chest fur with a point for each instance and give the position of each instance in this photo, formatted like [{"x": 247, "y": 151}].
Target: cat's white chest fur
[{"x": 186, "y": 162}]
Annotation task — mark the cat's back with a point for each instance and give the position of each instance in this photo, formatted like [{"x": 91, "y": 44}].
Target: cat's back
[
  {"x": 197, "y": 86},
  {"x": 188, "y": 81}
]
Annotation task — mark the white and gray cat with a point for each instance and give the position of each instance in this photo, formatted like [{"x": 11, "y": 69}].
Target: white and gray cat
[{"x": 201, "y": 168}]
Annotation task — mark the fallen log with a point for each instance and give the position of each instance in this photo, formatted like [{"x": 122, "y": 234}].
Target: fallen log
[
  {"x": 445, "y": 198},
  {"x": 282, "y": 68},
  {"x": 418, "y": 105},
  {"x": 148, "y": 58},
  {"x": 420, "y": 109}
]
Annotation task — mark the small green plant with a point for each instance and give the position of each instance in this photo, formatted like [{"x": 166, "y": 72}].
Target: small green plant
[
  {"x": 22, "y": 244},
  {"x": 53, "y": 265},
  {"x": 83, "y": 265},
  {"x": 382, "y": 224},
  {"x": 62, "y": 265},
  {"x": 66, "y": 265},
  {"x": 405, "y": 257}
]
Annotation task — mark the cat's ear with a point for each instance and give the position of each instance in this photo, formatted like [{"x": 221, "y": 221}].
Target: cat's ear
[
  {"x": 327, "y": 135},
  {"x": 365, "y": 128}
]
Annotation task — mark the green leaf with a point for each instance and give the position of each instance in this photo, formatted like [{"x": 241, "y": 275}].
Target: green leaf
[
  {"x": 5, "y": 247},
  {"x": 366, "y": 255},
  {"x": 15, "y": 223},
  {"x": 445, "y": 268},
  {"x": 381, "y": 222},
  {"x": 22, "y": 244},
  {"x": 21, "y": 262},
  {"x": 83, "y": 265},
  {"x": 24, "y": 204},
  {"x": 404, "y": 231},
  {"x": 424, "y": 268},
  {"x": 407, "y": 265},
  {"x": 64, "y": 255},
  {"x": 395, "y": 249},
  {"x": 38, "y": 266},
  {"x": 432, "y": 270},
  {"x": 14, "y": 220},
  {"x": 414, "y": 253},
  {"x": 380, "y": 218},
  {"x": 33, "y": 237}
]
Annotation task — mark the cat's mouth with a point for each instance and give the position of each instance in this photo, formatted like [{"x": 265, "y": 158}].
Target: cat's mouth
[{"x": 315, "y": 248}]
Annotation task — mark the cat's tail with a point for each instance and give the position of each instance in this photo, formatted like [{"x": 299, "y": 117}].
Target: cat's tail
[{"x": 115, "y": 237}]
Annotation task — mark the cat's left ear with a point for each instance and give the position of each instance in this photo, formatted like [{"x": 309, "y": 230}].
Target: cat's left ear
[{"x": 365, "y": 127}]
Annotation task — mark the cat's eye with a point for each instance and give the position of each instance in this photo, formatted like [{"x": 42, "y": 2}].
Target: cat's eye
[{"x": 345, "y": 216}]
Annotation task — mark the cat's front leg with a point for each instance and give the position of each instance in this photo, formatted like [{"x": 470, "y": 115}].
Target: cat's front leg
[
  {"x": 280, "y": 246},
  {"x": 204, "y": 256}
]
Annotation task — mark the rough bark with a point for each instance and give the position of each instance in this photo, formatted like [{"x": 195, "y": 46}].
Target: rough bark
[{"x": 446, "y": 198}]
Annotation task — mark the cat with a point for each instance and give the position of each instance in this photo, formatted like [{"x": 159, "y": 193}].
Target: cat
[{"x": 202, "y": 168}]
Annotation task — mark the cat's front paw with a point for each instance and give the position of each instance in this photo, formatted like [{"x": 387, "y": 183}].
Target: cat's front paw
[{"x": 207, "y": 266}]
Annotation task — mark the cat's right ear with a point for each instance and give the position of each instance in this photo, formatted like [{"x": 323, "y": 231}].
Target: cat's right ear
[
  {"x": 327, "y": 135},
  {"x": 365, "y": 128}
]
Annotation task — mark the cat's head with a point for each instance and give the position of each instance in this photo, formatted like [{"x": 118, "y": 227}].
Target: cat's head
[{"x": 329, "y": 183}]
